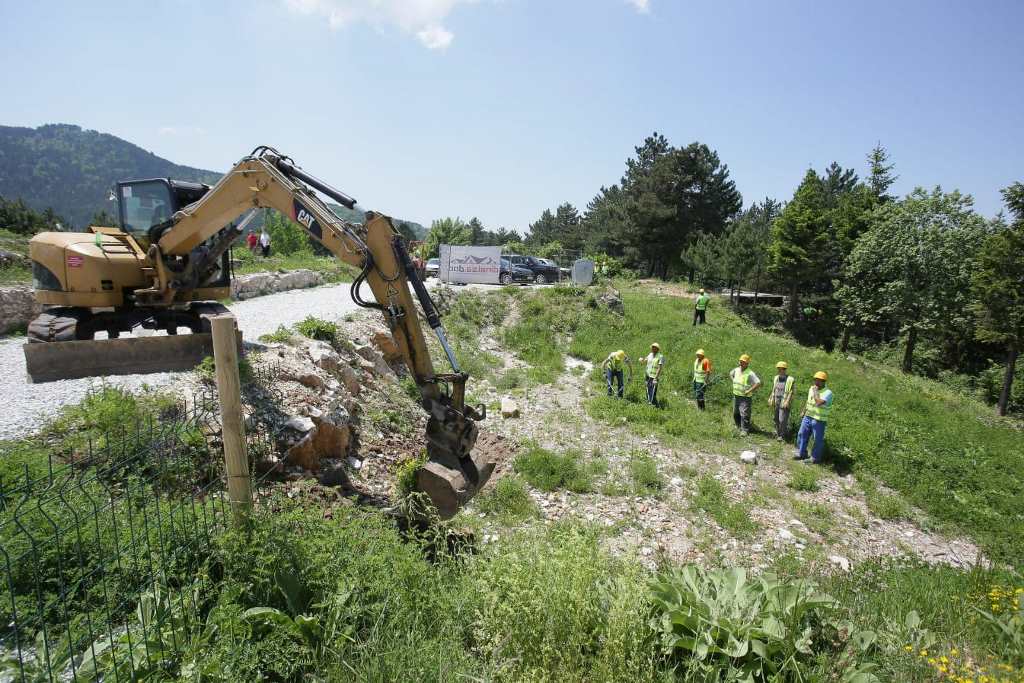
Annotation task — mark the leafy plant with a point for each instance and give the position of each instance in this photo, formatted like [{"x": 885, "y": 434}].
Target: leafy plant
[
  {"x": 405, "y": 474},
  {"x": 509, "y": 500},
  {"x": 749, "y": 629},
  {"x": 317, "y": 328},
  {"x": 279, "y": 336}
]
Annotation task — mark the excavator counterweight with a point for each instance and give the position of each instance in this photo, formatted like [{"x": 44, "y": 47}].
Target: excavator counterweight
[{"x": 168, "y": 262}]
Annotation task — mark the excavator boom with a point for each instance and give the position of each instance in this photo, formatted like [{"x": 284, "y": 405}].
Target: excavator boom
[{"x": 186, "y": 249}]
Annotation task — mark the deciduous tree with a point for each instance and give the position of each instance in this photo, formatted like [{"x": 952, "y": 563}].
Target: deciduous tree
[{"x": 998, "y": 288}]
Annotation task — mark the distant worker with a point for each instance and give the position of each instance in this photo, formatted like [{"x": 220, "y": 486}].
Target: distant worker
[
  {"x": 744, "y": 383},
  {"x": 251, "y": 240},
  {"x": 815, "y": 417},
  {"x": 265, "y": 243},
  {"x": 781, "y": 399},
  {"x": 655, "y": 362},
  {"x": 700, "y": 307},
  {"x": 613, "y": 370},
  {"x": 701, "y": 370}
]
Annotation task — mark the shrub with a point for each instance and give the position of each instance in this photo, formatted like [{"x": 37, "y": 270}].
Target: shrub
[
  {"x": 316, "y": 328},
  {"x": 723, "y": 625},
  {"x": 279, "y": 336},
  {"x": 207, "y": 370},
  {"x": 405, "y": 474},
  {"x": 549, "y": 471}
]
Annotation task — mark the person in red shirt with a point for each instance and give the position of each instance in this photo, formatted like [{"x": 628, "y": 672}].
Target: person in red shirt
[{"x": 251, "y": 240}]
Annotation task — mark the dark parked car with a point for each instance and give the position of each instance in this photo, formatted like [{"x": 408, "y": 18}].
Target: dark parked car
[
  {"x": 511, "y": 273},
  {"x": 544, "y": 270},
  {"x": 433, "y": 266}
]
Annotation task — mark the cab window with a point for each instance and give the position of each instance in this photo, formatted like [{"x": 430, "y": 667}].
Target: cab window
[{"x": 144, "y": 205}]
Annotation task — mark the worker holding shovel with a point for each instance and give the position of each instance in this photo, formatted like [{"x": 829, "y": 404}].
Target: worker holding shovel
[
  {"x": 655, "y": 361},
  {"x": 613, "y": 370}
]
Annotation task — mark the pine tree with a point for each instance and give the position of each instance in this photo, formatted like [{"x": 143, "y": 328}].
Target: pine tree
[
  {"x": 800, "y": 238},
  {"x": 881, "y": 177}
]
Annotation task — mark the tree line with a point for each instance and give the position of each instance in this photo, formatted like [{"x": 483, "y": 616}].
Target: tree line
[{"x": 923, "y": 279}]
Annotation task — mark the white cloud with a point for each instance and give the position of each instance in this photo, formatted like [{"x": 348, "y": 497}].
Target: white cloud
[
  {"x": 435, "y": 37},
  {"x": 641, "y": 6},
  {"x": 189, "y": 131},
  {"x": 422, "y": 18}
]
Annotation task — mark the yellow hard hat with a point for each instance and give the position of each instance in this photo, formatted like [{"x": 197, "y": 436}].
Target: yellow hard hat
[
  {"x": 702, "y": 291},
  {"x": 656, "y": 345},
  {"x": 700, "y": 352},
  {"x": 782, "y": 364},
  {"x": 620, "y": 354},
  {"x": 745, "y": 358},
  {"x": 821, "y": 374}
]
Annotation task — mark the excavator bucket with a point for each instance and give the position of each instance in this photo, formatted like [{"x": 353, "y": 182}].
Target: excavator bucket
[{"x": 449, "y": 489}]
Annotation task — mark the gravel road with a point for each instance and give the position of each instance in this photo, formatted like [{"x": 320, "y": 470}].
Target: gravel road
[{"x": 29, "y": 405}]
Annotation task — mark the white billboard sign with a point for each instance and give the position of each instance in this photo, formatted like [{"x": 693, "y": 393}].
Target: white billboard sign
[{"x": 470, "y": 264}]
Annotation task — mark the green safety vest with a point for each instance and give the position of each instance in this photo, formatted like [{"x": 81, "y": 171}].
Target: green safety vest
[
  {"x": 699, "y": 376},
  {"x": 813, "y": 410},
  {"x": 653, "y": 361},
  {"x": 702, "y": 302},
  {"x": 740, "y": 381},
  {"x": 615, "y": 360},
  {"x": 788, "y": 391}
]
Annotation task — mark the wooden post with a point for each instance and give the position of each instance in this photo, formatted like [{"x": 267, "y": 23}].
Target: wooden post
[{"x": 225, "y": 356}]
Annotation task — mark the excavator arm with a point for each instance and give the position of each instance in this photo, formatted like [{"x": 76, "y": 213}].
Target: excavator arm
[{"x": 190, "y": 246}]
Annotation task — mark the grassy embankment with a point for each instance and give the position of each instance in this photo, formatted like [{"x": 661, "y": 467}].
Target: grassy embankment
[
  {"x": 344, "y": 597},
  {"x": 948, "y": 455},
  {"x": 17, "y": 244},
  {"x": 332, "y": 269}
]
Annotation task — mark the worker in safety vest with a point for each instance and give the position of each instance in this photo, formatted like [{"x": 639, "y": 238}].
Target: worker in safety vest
[
  {"x": 613, "y": 367},
  {"x": 701, "y": 370},
  {"x": 744, "y": 383},
  {"x": 815, "y": 417},
  {"x": 655, "y": 361},
  {"x": 781, "y": 398},
  {"x": 700, "y": 307}
]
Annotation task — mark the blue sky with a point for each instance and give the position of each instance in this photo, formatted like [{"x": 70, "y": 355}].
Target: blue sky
[{"x": 501, "y": 108}]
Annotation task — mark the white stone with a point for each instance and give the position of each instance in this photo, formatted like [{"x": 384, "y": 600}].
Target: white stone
[
  {"x": 354, "y": 463},
  {"x": 300, "y": 424},
  {"x": 840, "y": 562},
  {"x": 749, "y": 457},
  {"x": 676, "y": 481},
  {"x": 509, "y": 408},
  {"x": 786, "y": 535}
]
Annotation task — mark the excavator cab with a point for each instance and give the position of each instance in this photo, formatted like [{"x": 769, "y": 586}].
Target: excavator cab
[{"x": 145, "y": 207}]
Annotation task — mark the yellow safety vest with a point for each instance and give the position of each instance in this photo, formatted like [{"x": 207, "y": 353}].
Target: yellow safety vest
[
  {"x": 788, "y": 391},
  {"x": 813, "y": 410},
  {"x": 652, "y": 364},
  {"x": 615, "y": 360},
  {"x": 699, "y": 376},
  {"x": 740, "y": 381},
  {"x": 702, "y": 302}
]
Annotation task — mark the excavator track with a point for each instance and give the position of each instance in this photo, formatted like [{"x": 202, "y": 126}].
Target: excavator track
[{"x": 59, "y": 325}]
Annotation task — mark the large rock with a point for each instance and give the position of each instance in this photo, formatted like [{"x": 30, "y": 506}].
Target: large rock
[
  {"x": 509, "y": 408},
  {"x": 387, "y": 346},
  {"x": 258, "y": 284},
  {"x": 350, "y": 379},
  {"x": 612, "y": 300},
  {"x": 323, "y": 355},
  {"x": 330, "y": 437},
  {"x": 379, "y": 365},
  {"x": 17, "y": 307}
]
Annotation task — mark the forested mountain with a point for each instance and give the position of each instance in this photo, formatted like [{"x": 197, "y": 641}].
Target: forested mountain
[{"x": 70, "y": 170}]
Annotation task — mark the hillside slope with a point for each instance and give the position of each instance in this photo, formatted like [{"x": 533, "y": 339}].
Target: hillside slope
[{"x": 71, "y": 170}]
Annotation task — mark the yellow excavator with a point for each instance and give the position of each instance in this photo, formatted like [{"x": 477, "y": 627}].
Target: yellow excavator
[{"x": 168, "y": 263}]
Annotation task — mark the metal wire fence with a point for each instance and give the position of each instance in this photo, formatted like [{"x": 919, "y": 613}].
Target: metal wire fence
[{"x": 104, "y": 533}]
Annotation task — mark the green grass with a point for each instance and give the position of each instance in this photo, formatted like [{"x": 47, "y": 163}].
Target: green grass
[
  {"x": 316, "y": 328},
  {"x": 803, "y": 478},
  {"x": 508, "y": 500},
  {"x": 468, "y": 314},
  {"x": 18, "y": 244},
  {"x": 948, "y": 455},
  {"x": 540, "y": 336},
  {"x": 330, "y": 267},
  {"x": 818, "y": 517},
  {"x": 709, "y": 496},
  {"x": 550, "y": 471},
  {"x": 279, "y": 336},
  {"x": 643, "y": 470}
]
